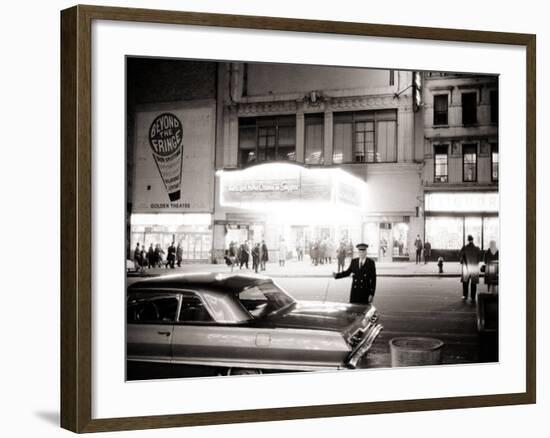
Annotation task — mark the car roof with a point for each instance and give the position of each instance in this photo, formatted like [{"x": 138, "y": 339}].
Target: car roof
[{"x": 231, "y": 283}]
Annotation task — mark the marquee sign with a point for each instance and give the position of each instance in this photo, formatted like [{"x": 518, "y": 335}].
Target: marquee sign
[{"x": 280, "y": 182}]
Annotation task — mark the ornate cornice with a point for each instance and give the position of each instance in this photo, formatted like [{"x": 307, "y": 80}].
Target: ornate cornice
[
  {"x": 388, "y": 101},
  {"x": 263, "y": 108},
  {"x": 323, "y": 103}
]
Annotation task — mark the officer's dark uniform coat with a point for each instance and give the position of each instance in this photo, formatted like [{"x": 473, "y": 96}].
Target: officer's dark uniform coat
[{"x": 364, "y": 280}]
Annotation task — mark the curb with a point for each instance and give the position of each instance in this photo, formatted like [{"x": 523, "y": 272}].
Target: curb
[{"x": 297, "y": 275}]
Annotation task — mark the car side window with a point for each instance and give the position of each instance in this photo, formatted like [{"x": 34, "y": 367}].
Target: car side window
[
  {"x": 152, "y": 310},
  {"x": 193, "y": 310}
]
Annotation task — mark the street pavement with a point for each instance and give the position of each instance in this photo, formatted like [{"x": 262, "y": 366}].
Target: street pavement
[
  {"x": 413, "y": 300},
  {"x": 305, "y": 268}
]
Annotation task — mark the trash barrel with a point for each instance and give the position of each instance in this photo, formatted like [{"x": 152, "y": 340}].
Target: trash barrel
[{"x": 414, "y": 351}]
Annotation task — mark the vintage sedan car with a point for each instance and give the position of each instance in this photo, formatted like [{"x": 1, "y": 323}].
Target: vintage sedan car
[{"x": 241, "y": 324}]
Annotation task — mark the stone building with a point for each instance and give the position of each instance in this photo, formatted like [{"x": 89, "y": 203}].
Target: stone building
[
  {"x": 337, "y": 153},
  {"x": 461, "y": 160}
]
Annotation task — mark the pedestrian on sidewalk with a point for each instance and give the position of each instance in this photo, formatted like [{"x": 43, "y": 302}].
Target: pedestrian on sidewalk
[
  {"x": 418, "y": 246},
  {"x": 137, "y": 258},
  {"x": 299, "y": 250},
  {"x": 315, "y": 252},
  {"x": 264, "y": 255},
  {"x": 171, "y": 257},
  {"x": 256, "y": 257},
  {"x": 230, "y": 255},
  {"x": 330, "y": 250},
  {"x": 427, "y": 251},
  {"x": 363, "y": 269},
  {"x": 150, "y": 257},
  {"x": 323, "y": 251},
  {"x": 470, "y": 256},
  {"x": 282, "y": 252},
  {"x": 490, "y": 257},
  {"x": 341, "y": 255},
  {"x": 244, "y": 255},
  {"x": 179, "y": 254}
]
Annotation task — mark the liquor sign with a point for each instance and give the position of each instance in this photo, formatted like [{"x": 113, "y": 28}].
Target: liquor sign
[
  {"x": 173, "y": 156},
  {"x": 470, "y": 202}
]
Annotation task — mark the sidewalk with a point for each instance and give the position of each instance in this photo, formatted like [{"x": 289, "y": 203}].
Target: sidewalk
[{"x": 294, "y": 268}]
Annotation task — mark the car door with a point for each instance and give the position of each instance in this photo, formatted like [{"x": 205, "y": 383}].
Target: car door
[
  {"x": 199, "y": 339},
  {"x": 194, "y": 340},
  {"x": 150, "y": 325}
]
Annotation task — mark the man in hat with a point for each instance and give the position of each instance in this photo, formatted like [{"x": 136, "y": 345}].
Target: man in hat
[
  {"x": 470, "y": 256},
  {"x": 363, "y": 269}
]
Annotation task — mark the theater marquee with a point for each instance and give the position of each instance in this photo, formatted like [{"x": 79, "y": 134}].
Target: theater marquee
[{"x": 289, "y": 183}]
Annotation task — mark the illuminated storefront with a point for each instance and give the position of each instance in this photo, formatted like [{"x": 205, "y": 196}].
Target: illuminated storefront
[
  {"x": 193, "y": 232},
  {"x": 278, "y": 201},
  {"x": 388, "y": 238},
  {"x": 451, "y": 217}
]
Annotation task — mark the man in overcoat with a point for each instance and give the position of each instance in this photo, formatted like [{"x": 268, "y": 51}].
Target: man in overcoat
[
  {"x": 363, "y": 269},
  {"x": 470, "y": 256}
]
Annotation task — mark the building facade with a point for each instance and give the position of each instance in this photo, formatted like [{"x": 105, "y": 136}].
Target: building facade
[
  {"x": 296, "y": 154},
  {"x": 338, "y": 158},
  {"x": 461, "y": 161},
  {"x": 171, "y": 129}
]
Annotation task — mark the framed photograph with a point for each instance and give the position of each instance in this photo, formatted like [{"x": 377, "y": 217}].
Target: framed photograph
[{"x": 267, "y": 219}]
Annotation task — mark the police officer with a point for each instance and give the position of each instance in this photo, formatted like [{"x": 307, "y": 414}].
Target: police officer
[{"x": 363, "y": 269}]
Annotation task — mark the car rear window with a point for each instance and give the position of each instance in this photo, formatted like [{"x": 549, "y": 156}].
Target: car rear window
[{"x": 264, "y": 299}]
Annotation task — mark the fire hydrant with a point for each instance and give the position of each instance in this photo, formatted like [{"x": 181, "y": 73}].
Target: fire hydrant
[{"x": 440, "y": 264}]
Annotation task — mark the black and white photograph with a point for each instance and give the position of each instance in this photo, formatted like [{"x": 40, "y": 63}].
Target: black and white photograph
[
  {"x": 275, "y": 219},
  {"x": 284, "y": 218}
]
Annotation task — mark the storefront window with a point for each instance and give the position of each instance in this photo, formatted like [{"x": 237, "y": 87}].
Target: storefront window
[
  {"x": 400, "y": 236},
  {"x": 445, "y": 232},
  {"x": 190, "y": 231},
  {"x": 371, "y": 233},
  {"x": 490, "y": 231},
  {"x": 472, "y": 226}
]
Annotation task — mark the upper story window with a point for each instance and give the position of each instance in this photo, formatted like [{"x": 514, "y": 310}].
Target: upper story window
[
  {"x": 441, "y": 163},
  {"x": 392, "y": 77},
  {"x": 469, "y": 108},
  {"x": 365, "y": 137},
  {"x": 314, "y": 138},
  {"x": 469, "y": 162},
  {"x": 264, "y": 139},
  {"x": 441, "y": 109},
  {"x": 494, "y": 106},
  {"x": 494, "y": 161}
]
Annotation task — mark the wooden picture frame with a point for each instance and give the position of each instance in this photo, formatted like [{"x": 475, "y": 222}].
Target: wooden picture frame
[{"x": 76, "y": 217}]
